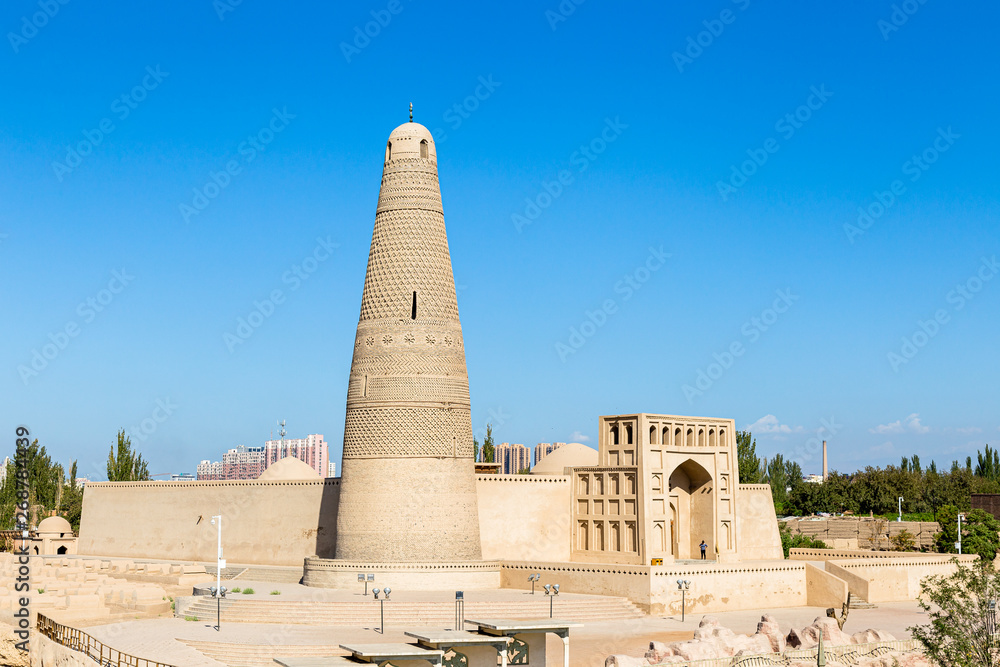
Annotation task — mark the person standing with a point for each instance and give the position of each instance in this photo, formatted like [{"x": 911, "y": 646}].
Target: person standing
[{"x": 703, "y": 548}]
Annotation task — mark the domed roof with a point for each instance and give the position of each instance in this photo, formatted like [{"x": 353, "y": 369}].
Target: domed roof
[
  {"x": 55, "y": 524},
  {"x": 411, "y": 130},
  {"x": 410, "y": 140},
  {"x": 288, "y": 469},
  {"x": 571, "y": 455}
]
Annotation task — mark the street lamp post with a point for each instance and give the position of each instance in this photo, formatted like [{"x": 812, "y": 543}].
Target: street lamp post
[
  {"x": 552, "y": 591},
  {"x": 219, "y": 592},
  {"x": 958, "y": 544},
  {"x": 533, "y": 578},
  {"x": 682, "y": 586},
  {"x": 900, "y": 517},
  {"x": 381, "y": 602}
]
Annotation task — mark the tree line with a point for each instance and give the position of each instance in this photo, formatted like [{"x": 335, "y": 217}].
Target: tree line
[
  {"x": 50, "y": 488},
  {"x": 874, "y": 490}
]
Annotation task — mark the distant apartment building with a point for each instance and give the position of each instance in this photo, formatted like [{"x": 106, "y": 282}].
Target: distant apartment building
[
  {"x": 209, "y": 470},
  {"x": 182, "y": 477},
  {"x": 332, "y": 469},
  {"x": 3, "y": 470},
  {"x": 311, "y": 450},
  {"x": 543, "y": 449},
  {"x": 512, "y": 458},
  {"x": 249, "y": 462}
]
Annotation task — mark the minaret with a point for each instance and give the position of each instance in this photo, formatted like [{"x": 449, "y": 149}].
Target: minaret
[{"x": 408, "y": 486}]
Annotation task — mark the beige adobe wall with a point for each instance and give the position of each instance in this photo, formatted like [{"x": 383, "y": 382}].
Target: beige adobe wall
[
  {"x": 263, "y": 523},
  {"x": 524, "y": 517},
  {"x": 756, "y": 524},
  {"x": 627, "y": 581},
  {"x": 729, "y": 587},
  {"x": 824, "y": 589},
  {"x": 898, "y": 579}
]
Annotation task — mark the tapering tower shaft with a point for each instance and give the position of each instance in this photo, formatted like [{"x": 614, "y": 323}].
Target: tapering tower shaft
[{"x": 408, "y": 488}]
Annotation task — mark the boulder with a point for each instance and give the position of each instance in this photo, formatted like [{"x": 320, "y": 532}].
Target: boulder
[
  {"x": 624, "y": 661},
  {"x": 659, "y": 652},
  {"x": 768, "y": 627}
]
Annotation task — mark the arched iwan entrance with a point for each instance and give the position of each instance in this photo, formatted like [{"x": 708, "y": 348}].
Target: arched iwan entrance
[{"x": 693, "y": 507}]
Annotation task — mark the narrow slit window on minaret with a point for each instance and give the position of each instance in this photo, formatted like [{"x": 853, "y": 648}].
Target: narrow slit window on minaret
[
  {"x": 388, "y": 151},
  {"x": 423, "y": 148},
  {"x": 413, "y": 311}
]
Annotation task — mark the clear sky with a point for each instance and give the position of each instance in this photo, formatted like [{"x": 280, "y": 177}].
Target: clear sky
[{"x": 651, "y": 207}]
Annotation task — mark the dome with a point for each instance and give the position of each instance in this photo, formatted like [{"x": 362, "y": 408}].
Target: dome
[
  {"x": 55, "y": 525},
  {"x": 410, "y": 140},
  {"x": 288, "y": 469},
  {"x": 571, "y": 455}
]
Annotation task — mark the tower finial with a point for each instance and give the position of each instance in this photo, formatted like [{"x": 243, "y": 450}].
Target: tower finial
[{"x": 411, "y": 112}]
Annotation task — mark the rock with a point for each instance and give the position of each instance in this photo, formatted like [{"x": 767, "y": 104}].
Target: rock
[
  {"x": 659, "y": 652},
  {"x": 768, "y": 627},
  {"x": 698, "y": 650},
  {"x": 706, "y": 627},
  {"x": 800, "y": 639},
  {"x": 624, "y": 661}
]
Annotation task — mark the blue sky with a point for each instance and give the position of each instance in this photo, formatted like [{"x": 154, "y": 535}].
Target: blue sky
[{"x": 674, "y": 182}]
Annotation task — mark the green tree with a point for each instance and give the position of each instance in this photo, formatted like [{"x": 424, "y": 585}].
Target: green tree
[
  {"x": 988, "y": 464},
  {"x": 777, "y": 477},
  {"x": 746, "y": 454},
  {"x": 124, "y": 465},
  {"x": 979, "y": 533},
  {"x": 45, "y": 481},
  {"x": 489, "y": 451},
  {"x": 959, "y": 633}
]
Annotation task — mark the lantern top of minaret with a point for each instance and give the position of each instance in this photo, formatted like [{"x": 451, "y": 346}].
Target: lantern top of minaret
[
  {"x": 411, "y": 112},
  {"x": 406, "y": 140}
]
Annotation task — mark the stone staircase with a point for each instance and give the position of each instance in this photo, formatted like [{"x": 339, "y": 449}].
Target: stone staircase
[
  {"x": 258, "y": 655},
  {"x": 397, "y": 614}
]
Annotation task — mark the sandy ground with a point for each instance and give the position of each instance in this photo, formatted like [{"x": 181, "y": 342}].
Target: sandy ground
[{"x": 589, "y": 645}]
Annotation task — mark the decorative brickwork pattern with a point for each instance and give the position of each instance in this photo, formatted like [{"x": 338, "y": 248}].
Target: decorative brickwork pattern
[{"x": 408, "y": 491}]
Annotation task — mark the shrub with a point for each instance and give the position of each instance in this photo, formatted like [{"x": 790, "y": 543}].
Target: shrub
[
  {"x": 798, "y": 540},
  {"x": 248, "y": 591},
  {"x": 237, "y": 590},
  {"x": 275, "y": 592},
  {"x": 190, "y": 618},
  {"x": 960, "y": 631}
]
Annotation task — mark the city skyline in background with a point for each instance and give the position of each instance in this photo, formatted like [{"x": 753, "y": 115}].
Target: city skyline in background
[{"x": 782, "y": 215}]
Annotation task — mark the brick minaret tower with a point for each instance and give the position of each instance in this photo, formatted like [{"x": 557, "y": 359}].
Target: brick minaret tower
[{"x": 408, "y": 489}]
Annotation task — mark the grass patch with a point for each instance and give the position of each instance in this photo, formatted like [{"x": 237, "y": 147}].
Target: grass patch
[
  {"x": 237, "y": 590},
  {"x": 190, "y": 618},
  {"x": 41, "y": 590},
  {"x": 275, "y": 592},
  {"x": 248, "y": 591}
]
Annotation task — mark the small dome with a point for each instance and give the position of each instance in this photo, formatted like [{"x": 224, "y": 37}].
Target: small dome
[
  {"x": 55, "y": 525},
  {"x": 571, "y": 455},
  {"x": 288, "y": 469},
  {"x": 410, "y": 140}
]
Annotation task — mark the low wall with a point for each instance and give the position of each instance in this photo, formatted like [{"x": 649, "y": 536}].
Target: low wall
[
  {"x": 898, "y": 579},
  {"x": 824, "y": 589},
  {"x": 627, "y": 581},
  {"x": 729, "y": 587},
  {"x": 844, "y": 554},
  {"x": 264, "y": 522},
  {"x": 525, "y": 517},
  {"x": 757, "y": 536}
]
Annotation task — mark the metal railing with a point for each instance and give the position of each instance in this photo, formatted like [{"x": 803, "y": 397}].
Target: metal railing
[
  {"x": 850, "y": 654},
  {"x": 84, "y": 643}
]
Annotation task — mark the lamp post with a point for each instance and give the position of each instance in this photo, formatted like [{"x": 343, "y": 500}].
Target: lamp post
[
  {"x": 459, "y": 610},
  {"x": 552, "y": 590},
  {"x": 900, "y": 517},
  {"x": 381, "y": 603},
  {"x": 958, "y": 545},
  {"x": 533, "y": 578},
  {"x": 682, "y": 586},
  {"x": 220, "y": 563}
]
